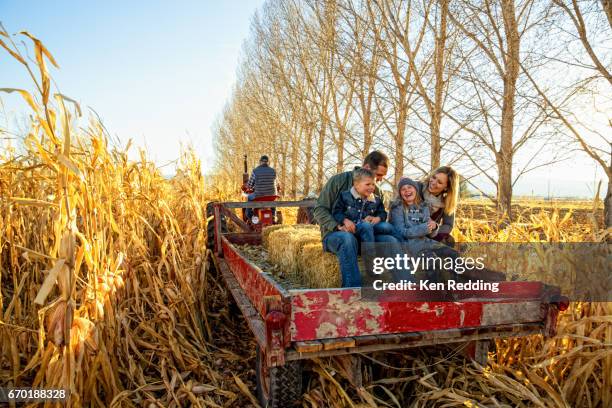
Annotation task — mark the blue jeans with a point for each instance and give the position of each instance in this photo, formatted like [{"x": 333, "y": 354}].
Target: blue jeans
[
  {"x": 365, "y": 231},
  {"x": 387, "y": 233},
  {"x": 385, "y": 229},
  {"x": 381, "y": 232},
  {"x": 249, "y": 211},
  {"x": 344, "y": 245}
]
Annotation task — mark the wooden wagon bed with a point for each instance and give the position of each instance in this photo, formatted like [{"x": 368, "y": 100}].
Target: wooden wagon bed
[{"x": 295, "y": 324}]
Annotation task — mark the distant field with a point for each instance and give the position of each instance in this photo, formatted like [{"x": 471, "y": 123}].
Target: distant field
[
  {"x": 539, "y": 202},
  {"x": 484, "y": 210}
]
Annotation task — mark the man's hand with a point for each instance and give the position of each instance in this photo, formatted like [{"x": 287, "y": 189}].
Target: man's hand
[
  {"x": 349, "y": 226},
  {"x": 432, "y": 225},
  {"x": 372, "y": 220}
]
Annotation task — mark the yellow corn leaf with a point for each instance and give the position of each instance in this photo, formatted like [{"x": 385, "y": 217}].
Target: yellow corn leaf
[
  {"x": 26, "y": 96},
  {"x": 31, "y": 201},
  {"x": 41, "y": 52},
  {"x": 114, "y": 226},
  {"x": 31, "y": 253},
  {"x": 30, "y": 101},
  {"x": 43, "y": 49},
  {"x": 49, "y": 282},
  {"x": 13, "y": 53},
  {"x": 67, "y": 98},
  {"x": 65, "y": 120},
  {"x": 69, "y": 164},
  {"x": 44, "y": 154}
]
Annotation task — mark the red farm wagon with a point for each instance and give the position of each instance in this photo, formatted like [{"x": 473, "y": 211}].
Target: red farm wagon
[{"x": 291, "y": 325}]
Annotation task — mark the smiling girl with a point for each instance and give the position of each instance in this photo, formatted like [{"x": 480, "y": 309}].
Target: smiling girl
[{"x": 410, "y": 216}]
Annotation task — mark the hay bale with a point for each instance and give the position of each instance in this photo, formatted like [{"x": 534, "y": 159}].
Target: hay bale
[
  {"x": 265, "y": 233},
  {"x": 293, "y": 246},
  {"x": 308, "y": 227},
  {"x": 318, "y": 269},
  {"x": 298, "y": 251},
  {"x": 277, "y": 242}
]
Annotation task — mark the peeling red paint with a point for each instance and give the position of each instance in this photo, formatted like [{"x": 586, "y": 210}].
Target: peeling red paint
[
  {"x": 345, "y": 314},
  {"x": 334, "y": 313}
]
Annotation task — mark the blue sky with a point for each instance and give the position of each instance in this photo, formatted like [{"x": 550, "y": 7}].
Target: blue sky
[
  {"x": 156, "y": 71},
  {"x": 160, "y": 72}
]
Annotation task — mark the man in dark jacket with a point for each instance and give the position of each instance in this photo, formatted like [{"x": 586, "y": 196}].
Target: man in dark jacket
[
  {"x": 339, "y": 238},
  {"x": 262, "y": 182}
]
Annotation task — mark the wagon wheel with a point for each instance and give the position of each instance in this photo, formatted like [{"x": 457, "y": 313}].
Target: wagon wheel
[
  {"x": 210, "y": 225},
  {"x": 278, "y": 387}
]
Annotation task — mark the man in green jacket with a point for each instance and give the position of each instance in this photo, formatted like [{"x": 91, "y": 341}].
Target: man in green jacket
[{"x": 339, "y": 238}]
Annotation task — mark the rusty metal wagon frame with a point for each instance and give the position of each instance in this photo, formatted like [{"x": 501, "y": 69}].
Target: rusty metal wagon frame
[{"x": 290, "y": 325}]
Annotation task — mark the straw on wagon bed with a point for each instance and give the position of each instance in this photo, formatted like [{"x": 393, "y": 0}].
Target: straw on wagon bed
[
  {"x": 298, "y": 250},
  {"x": 258, "y": 255}
]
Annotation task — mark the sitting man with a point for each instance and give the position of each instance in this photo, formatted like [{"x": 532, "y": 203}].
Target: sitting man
[
  {"x": 338, "y": 238},
  {"x": 261, "y": 182}
]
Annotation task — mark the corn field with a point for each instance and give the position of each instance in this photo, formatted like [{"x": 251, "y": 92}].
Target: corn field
[{"x": 107, "y": 292}]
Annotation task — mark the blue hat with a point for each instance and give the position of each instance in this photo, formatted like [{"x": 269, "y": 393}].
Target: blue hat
[{"x": 407, "y": 181}]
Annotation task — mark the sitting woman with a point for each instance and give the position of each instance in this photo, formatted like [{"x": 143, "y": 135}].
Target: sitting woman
[{"x": 440, "y": 192}]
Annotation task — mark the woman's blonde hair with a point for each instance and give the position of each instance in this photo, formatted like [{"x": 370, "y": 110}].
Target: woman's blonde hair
[{"x": 451, "y": 194}]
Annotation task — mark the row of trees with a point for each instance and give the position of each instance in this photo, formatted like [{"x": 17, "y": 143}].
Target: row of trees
[{"x": 496, "y": 88}]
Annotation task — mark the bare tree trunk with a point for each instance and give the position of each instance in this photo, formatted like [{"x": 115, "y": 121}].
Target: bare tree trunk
[
  {"x": 340, "y": 151},
  {"x": 607, "y": 6},
  {"x": 294, "y": 164},
  {"x": 435, "y": 141},
  {"x": 512, "y": 65},
  {"x": 608, "y": 206},
  {"x": 399, "y": 159},
  {"x": 320, "y": 151},
  {"x": 400, "y": 138},
  {"x": 284, "y": 169},
  {"x": 367, "y": 133},
  {"x": 436, "y": 117},
  {"x": 504, "y": 185},
  {"x": 608, "y": 199},
  {"x": 308, "y": 160}
]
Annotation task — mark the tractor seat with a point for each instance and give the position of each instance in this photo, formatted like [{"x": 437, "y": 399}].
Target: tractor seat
[{"x": 266, "y": 198}]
